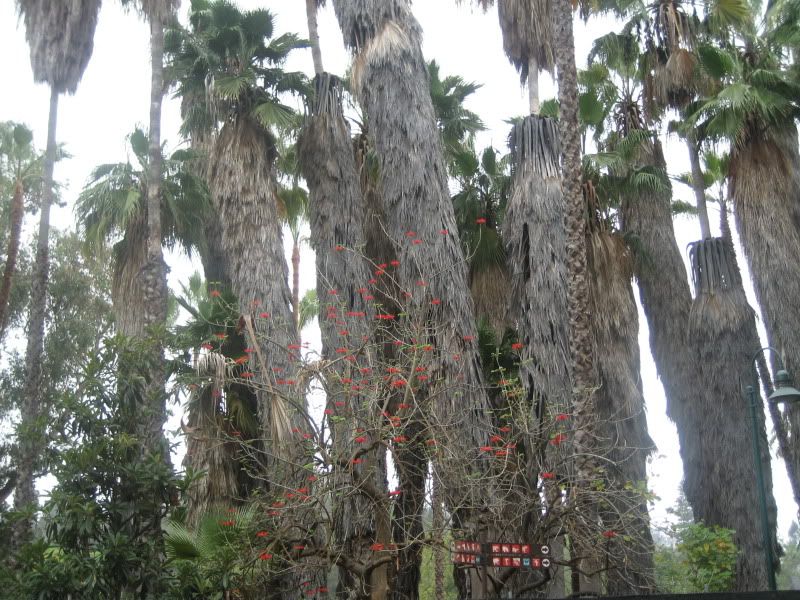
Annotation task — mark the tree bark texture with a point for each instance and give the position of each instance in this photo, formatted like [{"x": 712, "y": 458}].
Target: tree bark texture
[
  {"x": 31, "y": 446},
  {"x": 391, "y": 82}
]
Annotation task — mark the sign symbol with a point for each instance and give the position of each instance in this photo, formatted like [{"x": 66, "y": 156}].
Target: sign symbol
[
  {"x": 546, "y": 562},
  {"x": 545, "y": 549}
]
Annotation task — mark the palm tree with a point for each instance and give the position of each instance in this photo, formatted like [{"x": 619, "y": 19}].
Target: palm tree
[
  {"x": 243, "y": 78},
  {"x": 336, "y": 214},
  {"x": 622, "y": 424},
  {"x": 59, "y": 61},
  {"x": 393, "y": 89},
  {"x": 114, "y": 205},
  {"x": 754, "y": 109},
  {"x": 22, "y": 166}
]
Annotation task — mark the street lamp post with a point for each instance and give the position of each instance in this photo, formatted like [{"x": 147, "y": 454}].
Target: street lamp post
[{"x": 784, "y": 392}]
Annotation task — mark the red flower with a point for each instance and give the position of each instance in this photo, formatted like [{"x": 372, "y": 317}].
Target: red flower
[
  {"x": 368, "y": 298},
  {"x": 264, "y": 315},
  {"x": 333, "y": 293},
  {"x": 436, "y": 301},
  {"x": 411, "y": 234},
  {"x": 517, "y": 346},
  {"x": 486, "y": 448},
  {"x": 417, "y": 242},
  {"x": 377, "y": 547},
  {"x": 505, "y": 429},
  {"x": 248, "y": 374},
  {"x": 443, "y": 231},
  {"x": 265, "y": 556},
  {"x": 422, "y": 377},
  {"x": 372, "y": 281},
  {"x": 392, "y": 370},
  {"x": 385, "y": 317},
  {"x": 344, "y": 332},
  {"x": 215, "y": 293},
  {"x": 328, "y": 411},
  {"x": 610, "y": 533},
  {"x": 339, "y": 247},
  {"x": 395, "y": 492},
  {"x": 312, "y": 477},
  {"x": 399, "y": 439},
  {"x": 262, "y": 534},
  {"x": 248, "y": 350},
  {"x": 357, "y": 461},
  {"x": 501, "y": 453},
  {"x": 293, "y": 346},
  {"x": 480, "y": 221},
  {"x": 307, "y": 436},
  {"x": 221, "y": 336},
  {"x": 495, "y": 439},
  {"x": 421, "y": 283},
  {"x": 469, "y": 338},
  {"x": 356, "y": 314},
  {"x": 341, "y": 351},
  {"x": 379, "y": 272},
  {"x": 548, "y": 475},
  {"x": 420, "y": 369},
  {"x": 360, "y": 439},
  {"x": 398, "y": 383},
  {"x": 298, "y": 547},
  {"x": 395, "y": 263},
  {"x": 557, "y": 439},
  {"x": 403, "y": 406},
  {"x": 427, "y": 348},
  {"x": 561, "y": 417},
  {"x": 227, "y": 523},
  {"x": 207, "y": 346},
  {"x": 323, "y": 590},
  {"x": 431, "y": 442}
]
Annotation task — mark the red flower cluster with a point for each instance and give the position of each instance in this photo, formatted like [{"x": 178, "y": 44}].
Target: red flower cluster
[
  {"x": 548, "y": 475},
  {"x": 480, "y": 221},
  {"x": 517, "y": 346},
  {"x": 558, "y": 439},
  {"x": 262, "y": 534}
]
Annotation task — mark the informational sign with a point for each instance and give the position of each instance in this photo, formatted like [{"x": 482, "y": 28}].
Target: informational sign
[{"x": 501, "y": 554}]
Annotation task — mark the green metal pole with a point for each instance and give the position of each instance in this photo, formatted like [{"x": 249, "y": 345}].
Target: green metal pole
[{"x": 762, "y": 493}]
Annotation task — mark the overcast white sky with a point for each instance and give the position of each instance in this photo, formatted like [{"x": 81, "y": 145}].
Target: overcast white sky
[{"x": 114, "y": 97}]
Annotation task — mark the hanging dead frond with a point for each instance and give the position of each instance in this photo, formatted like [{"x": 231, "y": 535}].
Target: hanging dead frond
[
  {"x": 527, "y": 32},
  {"x": 61, "y": 39}
]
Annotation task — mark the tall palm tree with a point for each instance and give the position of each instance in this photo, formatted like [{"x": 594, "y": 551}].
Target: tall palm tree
[
  {"x": 336, "y": 214},
  {"x": 61, "y": 38},
  {"x": 243, "y": 77},
  {"x": 391, "y": 82},
  {"x": 754, "y": 109},
  {"x": 622, "y": 424},
  {"x": 22, "y": 166}
]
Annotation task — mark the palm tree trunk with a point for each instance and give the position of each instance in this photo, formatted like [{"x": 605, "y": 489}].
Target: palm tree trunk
[
  {"x": 764, "y": 183},
  {"x": 621, "y": 417},
  {"x": 535, "y": 242},
  {"x": 580, "y": 309},
  {"x": 31, "y": 437},
  {"x": 313, "y": 36},
  {"x": 296, "y": 283},
  {"x": 243, "y": 190},
  {"x": 533, "y": 84},
  {"x": 336, "y": 215},
  {"x": 17, "y": 210},
  {"x": 698, "y": 186},
  {"x": 392, "y": 86}
]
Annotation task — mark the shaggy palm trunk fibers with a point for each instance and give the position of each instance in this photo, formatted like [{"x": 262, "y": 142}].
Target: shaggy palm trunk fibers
[
  {"x": 622, "y": 423},
  {"x": 723, "y": 334},
  {"x": 243, "y": 191},
  {"x": 765, "y": 179},
  {"x": 391, "y": 81},
  {"x": 336, "y": 212},
  {"x": 411, "y": 457},
  {"x": 535, "y": 242}
]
